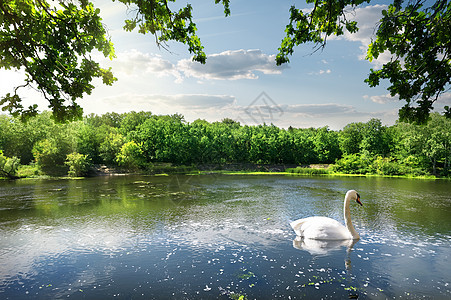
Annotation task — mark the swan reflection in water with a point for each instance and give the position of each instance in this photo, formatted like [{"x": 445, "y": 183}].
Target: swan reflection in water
[
  {"x": 318, "y": 248},
  {"x": 322, "y": 247}
]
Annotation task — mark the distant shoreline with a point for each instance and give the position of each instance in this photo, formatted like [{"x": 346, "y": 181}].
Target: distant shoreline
[{"x": 167, "y": 169}]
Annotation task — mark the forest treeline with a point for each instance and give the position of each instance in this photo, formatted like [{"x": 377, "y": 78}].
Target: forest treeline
[{"x": 137, "y": 140}]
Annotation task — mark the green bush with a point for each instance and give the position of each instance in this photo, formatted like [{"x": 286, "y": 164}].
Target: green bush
[
  {"x": 365, "y": 164},
  {"x": 31, "y": 170},
  {"x": 353, "y": 164},
  {"x": 8, "y": 166},
  {"x": 49, "y": 157},
  {"x": 131, "y": 156},
  {"x": 110, "y": 147},
  {"x": 79, "y": 164},
  {"x": 413, "y": 166},
  {"x": 385, "y": 166}
]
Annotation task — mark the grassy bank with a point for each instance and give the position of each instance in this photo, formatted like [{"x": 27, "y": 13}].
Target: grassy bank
[
  {"x": 299, "y": 171},
  {"x": 166, "y": 169}
]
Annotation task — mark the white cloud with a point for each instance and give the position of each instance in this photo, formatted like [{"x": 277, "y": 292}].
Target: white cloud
[
  {"x": 228, "y": 65},
  {"x": 109, "y": 10},
  {"x": 136, "y": 63},
  {"x": 367, "y": 21},
  {"x": 321, "y": 72},
  {"x": 191, "y": 101},
  {"x": 315, "y": 110},
  {"x": 10, "y": 79},
  {"x": 232, "y": 65},
  {"x": 444, "y": 99},
  {"x": 382, "y": 99},
  {"x": 161, "y": 104}
]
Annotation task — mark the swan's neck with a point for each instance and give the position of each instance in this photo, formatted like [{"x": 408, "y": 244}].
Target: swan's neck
[{"x": 348, "y": 222}]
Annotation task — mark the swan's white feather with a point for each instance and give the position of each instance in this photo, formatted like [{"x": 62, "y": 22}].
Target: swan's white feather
[{"x": 320, "y": 228}]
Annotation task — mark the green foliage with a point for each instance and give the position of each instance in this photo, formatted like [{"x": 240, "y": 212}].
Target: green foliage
[
  {"x": 49, "y": 157},
  {"x": 374, "y": 138},
  {"x": 388, "y": 166},
  {"x": 416, "y": 36},
  {"x": 88, "y": 139},
  {"x": 420, "y": 70},
  {"x": 28, "y": 171},
  {"x": 138, "y": 140},
  {"x": 131, "y": 156},
  {"x": 109, "y": 148},
  {"x": 130, "y": 121},
  {"x": 166, "y": 24},
  {"x": 353, "y": 164},
  {"x": 307, "y": 171},
  {"x": 370, "y": 137},
  {"x": 79, "y": 164},
  {"x": 52, "y": 42},
  {"x": 51, "y": 152},
  {"x": 110, "y": 119},
  {"x": 350, "y": 138},
  {"x": 429, "y": 142},
  {"x": 18, "y": 138},
  {"x": 326, "y": 145},
  {"x": 8, "y": 166},
  {"x": 325, "y": 19}
]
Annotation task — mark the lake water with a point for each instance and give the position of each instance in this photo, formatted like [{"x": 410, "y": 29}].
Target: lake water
[{"x": 221, "y": 237}]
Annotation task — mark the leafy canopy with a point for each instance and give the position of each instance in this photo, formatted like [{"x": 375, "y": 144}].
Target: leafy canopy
[
  {"x": 416, "y": 35},
  {"x": 53, "y": 46},
  {"x": 53, "y": 43},
  {"x": 418, "y": 38}
]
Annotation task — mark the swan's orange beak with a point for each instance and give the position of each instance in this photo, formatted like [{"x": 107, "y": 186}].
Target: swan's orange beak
[{"x": 358, "y": 201}]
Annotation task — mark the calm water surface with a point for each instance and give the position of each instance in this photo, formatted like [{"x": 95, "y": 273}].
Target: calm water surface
[{"x": 221, "y": 237}]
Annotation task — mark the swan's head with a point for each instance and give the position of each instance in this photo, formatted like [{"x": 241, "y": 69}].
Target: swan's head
[{"x": 354, "y": 196}]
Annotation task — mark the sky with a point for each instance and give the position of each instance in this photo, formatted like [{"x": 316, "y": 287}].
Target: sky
[{"x": 240, "y": 79}]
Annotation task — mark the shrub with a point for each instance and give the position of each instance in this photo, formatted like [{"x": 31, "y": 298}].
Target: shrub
[
  {"x": 131, "y": 156},
  {"x": 383, "y": 166},
  {"x": 353, "y": 164},
  {"x": 51, "y": 156},
  {"x": 8, "y": 166},
  {"x": 31, "y": 170},
  {"x": 79, "y": 164},
  {"x": 110, "y": 148}
]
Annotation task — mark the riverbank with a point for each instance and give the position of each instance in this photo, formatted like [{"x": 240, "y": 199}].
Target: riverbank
[
  {"x": 166, "y": 169},
  {"x": 232, "y": 168},
  {"x": 292, "y": 170},
  {"x": 428, "y": 177}
]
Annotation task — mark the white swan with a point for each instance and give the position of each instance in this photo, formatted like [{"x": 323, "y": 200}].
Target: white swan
[{"x": 323, "y": 228}]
